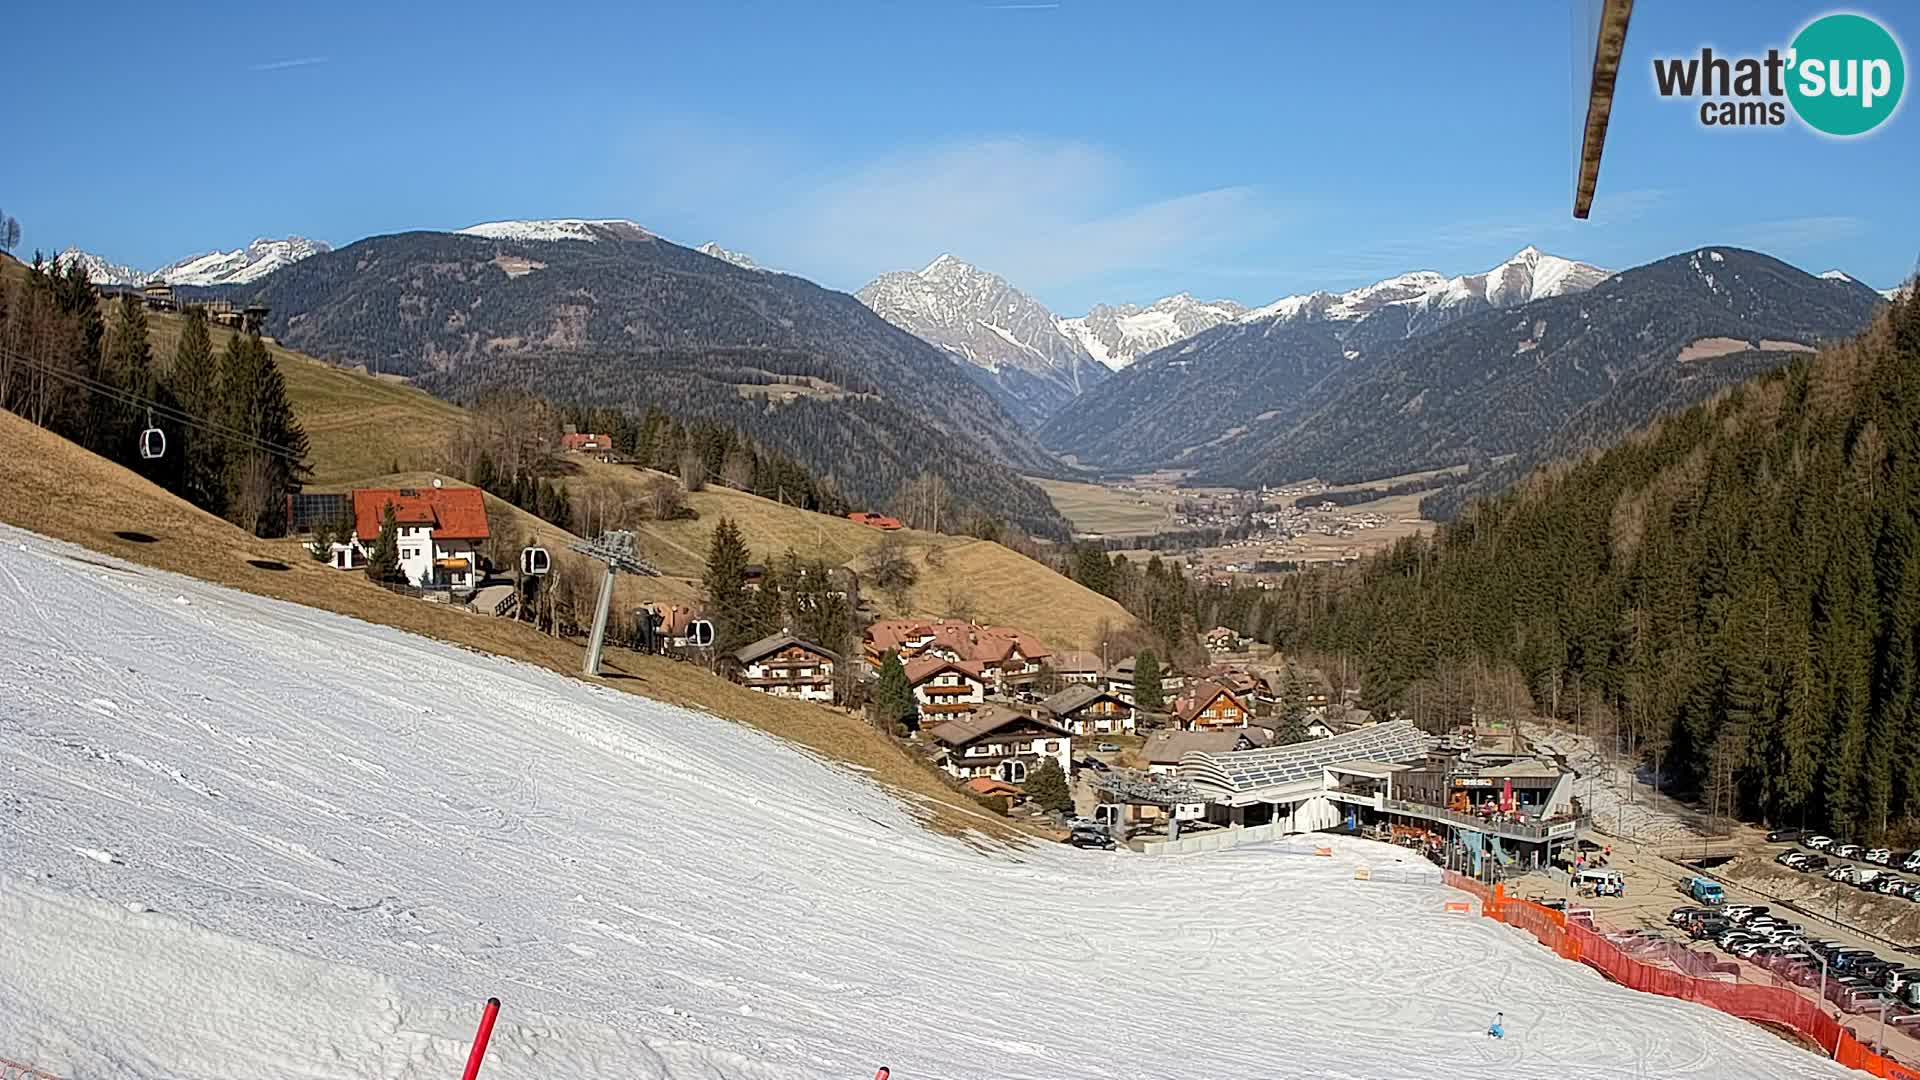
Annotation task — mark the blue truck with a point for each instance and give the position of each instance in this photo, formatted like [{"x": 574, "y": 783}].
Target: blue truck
[{"x": 1703, "y": 890}]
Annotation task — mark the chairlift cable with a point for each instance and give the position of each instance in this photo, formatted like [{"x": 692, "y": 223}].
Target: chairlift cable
[{"x": 167, "y": 413}]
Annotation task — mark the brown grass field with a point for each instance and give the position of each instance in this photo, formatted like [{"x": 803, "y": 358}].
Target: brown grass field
[
  {"x": 1096, "y": 508},
  {"x": 69, "y": 494},
  {"x": 955, "y": 572}
]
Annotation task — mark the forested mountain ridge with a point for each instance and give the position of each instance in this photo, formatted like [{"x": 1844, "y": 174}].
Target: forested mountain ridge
[
  {"x": 1494, "y": 384},
  {"x": 1503, "y": 382},
  {"x": 1739, "y": 584},
  {"x": 628, "y": 319}
]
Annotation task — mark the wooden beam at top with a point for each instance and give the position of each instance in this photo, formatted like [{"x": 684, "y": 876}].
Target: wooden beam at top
[{"x": 1611, "y": 43}]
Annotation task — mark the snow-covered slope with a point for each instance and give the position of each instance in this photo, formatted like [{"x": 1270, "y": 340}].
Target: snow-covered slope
[
  {"x": 1117, "y": 336},
  {"x": 237, "y": 267},
  {"x": 247, "y": 839},
  {"x": 1018, "y": 345},
  {"x": 1529, "y": 275},
  {"x": 715, "y": 251},
  {"x": 588, "y": 229}
]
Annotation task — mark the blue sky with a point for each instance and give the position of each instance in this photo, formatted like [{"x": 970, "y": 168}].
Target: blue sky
[{"x": 1088, "y": 150}]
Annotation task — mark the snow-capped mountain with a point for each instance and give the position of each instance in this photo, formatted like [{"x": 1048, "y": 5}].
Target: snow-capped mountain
[
  {"x": 1116, "y": 336},
  {"x": 250, "y": 263},
  {"x": 238, "y": 267},
  {"x": 1015, "y": 345},
  {"x": 100, "y": 271},
  {"x": 715, "y": 251},
  {"x": 1428, "y": 298},
  {"x": 589, "y": 229}
]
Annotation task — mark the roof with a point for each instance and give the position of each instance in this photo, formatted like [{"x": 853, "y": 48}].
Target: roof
[
  {"x": 926, "y": 667},
  {"x": 1524, "y": 768},
  {"x": 1238, "y": 773},
  {"x": 964, "y": 639},
  {"x": 773, "y": 643},
  {"x": 1168, "y": 747},
  {"x": 877, "y": 521},
  {"x": 1366, "y": 767},
  {"x": 985, "y": 785},
  {"x": 987, "y": 721},
  {"x": 455, "y": 513},
  {"x": 1203, "y": 694},
  {"x": 1075, "y": 698}
]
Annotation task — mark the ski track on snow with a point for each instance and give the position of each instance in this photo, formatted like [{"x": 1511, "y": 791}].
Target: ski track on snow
[{"x": 326, "y": 842}]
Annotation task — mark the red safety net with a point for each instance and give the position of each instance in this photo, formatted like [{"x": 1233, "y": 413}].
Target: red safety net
[{"x": 1766, "y": 1004}]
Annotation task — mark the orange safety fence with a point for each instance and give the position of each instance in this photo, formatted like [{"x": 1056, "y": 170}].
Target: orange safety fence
[{"x": 1776, "y": 1005}]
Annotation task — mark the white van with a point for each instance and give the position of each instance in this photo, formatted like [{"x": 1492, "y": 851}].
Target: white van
[{"x": 1602, "y": 882}]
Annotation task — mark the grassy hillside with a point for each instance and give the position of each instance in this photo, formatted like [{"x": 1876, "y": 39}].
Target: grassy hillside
[
  {"x": 73, "y": 495},
  {"x": 955, "y": 572}
]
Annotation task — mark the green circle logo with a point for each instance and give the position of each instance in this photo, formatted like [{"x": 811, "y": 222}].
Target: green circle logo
[{"x": 1847, "y": 74}]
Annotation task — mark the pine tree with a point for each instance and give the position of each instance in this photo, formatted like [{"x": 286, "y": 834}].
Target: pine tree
[
  {"x": 1147, "y": 693},
  {"x": 892, "y": 700},
  {"x": 1047, "y": 786},
  {"x": 194, "y": 382},
  {"x": 383, "y": 558},
  {"x": 725, "y": 583},
  {"x": 271, "y": 463},
  {"x": 1293, "y": 709},
  {"x": 126, "y": 365}
]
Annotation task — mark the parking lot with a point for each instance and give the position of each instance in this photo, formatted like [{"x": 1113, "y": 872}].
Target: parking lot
[{"x": 1653, "y": 892}]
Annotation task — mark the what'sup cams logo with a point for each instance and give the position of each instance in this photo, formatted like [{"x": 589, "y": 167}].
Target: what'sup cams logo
[{"x": 1842, "y": 76}]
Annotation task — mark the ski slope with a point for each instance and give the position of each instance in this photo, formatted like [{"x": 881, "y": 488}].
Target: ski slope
[{"x": 240, "y": 838}]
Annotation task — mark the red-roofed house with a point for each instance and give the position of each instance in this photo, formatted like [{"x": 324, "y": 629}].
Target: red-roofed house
[
  {"x": 1210, "y": 706},
  {"x": 945, "y": 689},
  {"x": 1008, "y": 658},
  {"x": 575, "y": 442},
  {"x": 440, "y": 530},
  {"x": 874, "y": 521}
]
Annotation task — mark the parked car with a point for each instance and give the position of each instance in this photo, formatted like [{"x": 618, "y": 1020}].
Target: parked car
[
  {"x": 1818, "y": 843},
  {"x": 1680, "y": 916},
  {"x": 1791, "y": 858},
  {"x": 1880, "y": 855},
  {"x": 1783, "y": 836},
  {"x": 1911, "y": 862},
  {"x": 1096, "y": 837},
  {"x": 1886, "y": 883},
  {"x": 1814, "y": 863},
  {"x": 1842, "y": 873},
  {"x": 1863, "y": 999},
  {"x": 1741, "y": 913},
  {"x": 1849, "y": 851}
]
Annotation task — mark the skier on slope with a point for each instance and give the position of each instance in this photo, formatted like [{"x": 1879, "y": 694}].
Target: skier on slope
[{"x": 1494, "y": 1030}]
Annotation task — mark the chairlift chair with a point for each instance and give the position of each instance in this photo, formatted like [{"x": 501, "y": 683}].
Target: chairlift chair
[
  {"x": 535, "y": 562},
  {"x": 700, "y": 633}
]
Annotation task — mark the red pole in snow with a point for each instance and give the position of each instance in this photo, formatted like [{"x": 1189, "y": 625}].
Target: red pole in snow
[{"x": 480, "y": 1038}]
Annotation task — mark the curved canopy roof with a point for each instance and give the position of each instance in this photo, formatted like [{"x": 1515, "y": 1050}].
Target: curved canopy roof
[{"x": 1240, "y": 772}]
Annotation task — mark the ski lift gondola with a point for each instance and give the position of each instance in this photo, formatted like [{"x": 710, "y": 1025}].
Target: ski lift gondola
[
  {"x": 153, "y": 442},
  {"x": 535, "y": 562}
]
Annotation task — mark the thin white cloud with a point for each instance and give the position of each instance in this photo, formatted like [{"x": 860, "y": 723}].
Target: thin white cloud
[
  {"x": 1044, "y": 213},
  {"x": 282, "y": 65}
]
